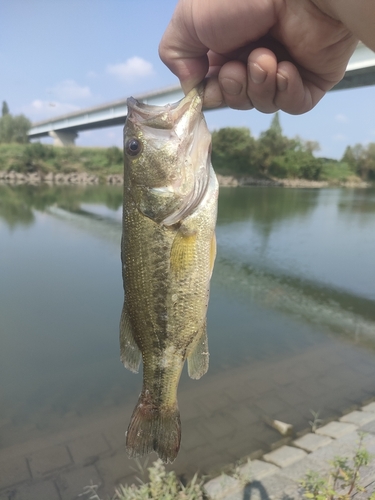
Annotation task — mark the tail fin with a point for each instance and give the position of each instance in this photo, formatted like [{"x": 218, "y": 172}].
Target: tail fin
[{"x": 152, "y": 428}]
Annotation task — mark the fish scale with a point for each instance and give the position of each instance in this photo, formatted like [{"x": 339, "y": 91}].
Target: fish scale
[{"x": 168, "y": 250}]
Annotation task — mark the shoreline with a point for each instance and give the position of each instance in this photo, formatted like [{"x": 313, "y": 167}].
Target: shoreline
[
  {"x": 232, "y": 181},
  {"x": 83, "y": 178}
]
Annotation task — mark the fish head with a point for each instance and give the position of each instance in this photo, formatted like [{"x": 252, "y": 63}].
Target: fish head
[{"x": 167, "y": 157}]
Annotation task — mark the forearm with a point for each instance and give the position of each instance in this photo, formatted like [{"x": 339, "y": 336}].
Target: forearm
[{"x": 357, "y": 15}]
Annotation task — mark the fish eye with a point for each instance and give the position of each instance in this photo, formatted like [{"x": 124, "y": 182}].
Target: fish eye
[{"x": 133, "y": 147}]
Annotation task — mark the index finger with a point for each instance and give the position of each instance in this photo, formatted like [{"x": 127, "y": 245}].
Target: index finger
[{"x": 183, "y": 53}]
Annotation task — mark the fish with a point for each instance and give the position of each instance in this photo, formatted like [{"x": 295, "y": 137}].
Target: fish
[{"x": 168, "y": 251}]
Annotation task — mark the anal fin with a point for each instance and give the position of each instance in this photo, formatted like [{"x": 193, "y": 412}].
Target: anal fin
[
  {"x": 198, "y": 358},
  {"x": 129, "y": 351}
]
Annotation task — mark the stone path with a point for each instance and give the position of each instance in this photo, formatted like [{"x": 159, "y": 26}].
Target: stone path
[
  {"x": 276, "y": 476},
  {"x": 223, "y": 420}
]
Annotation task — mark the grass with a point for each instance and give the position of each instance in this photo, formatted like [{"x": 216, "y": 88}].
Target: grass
[
  {"x": 162, "y": 485},
  {"x": 37, "y": 157}
]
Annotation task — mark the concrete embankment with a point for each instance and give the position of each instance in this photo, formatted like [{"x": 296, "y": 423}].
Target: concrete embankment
[
  {"x": 13, "y": 177},
  {"x": 36, "y": 178},
  {"x": 233, "y": 181}
]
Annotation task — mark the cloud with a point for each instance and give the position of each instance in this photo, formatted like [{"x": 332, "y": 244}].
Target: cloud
[
  {"x": 69, "y": 90},
  {"x": 39, "y": 109},
  {"x": 341, "y": 118},
  {"x": 133, "y": 68}
]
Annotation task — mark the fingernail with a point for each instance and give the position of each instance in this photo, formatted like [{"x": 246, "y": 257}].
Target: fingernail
[
  {"x": 212, "y": 95},
  {"x": 230, "y": 86},
  {"x": 257, "y": 74},
  {"x": 281, "y": 82}
]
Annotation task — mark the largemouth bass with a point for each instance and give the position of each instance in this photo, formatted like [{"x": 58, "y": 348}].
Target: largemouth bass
[{"x": 168, "y": 251}]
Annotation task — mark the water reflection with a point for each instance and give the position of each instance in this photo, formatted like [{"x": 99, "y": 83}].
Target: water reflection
[
  {"x": 266, "y": 207},
  {"x": 357, "y": 206},
  {"x": 18, "y": 202}
]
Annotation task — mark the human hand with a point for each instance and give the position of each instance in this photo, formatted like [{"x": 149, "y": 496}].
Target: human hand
[{"x": 263, "y": 54}]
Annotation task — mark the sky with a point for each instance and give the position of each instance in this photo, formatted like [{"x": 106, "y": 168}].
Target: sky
[{"x": 59, "y": 56}]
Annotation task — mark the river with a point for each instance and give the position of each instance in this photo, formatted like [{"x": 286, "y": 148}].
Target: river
[{"x": 291, "y": 321}]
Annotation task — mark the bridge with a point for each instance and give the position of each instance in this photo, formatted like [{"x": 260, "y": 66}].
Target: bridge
[{"x": 64, "y": 129}]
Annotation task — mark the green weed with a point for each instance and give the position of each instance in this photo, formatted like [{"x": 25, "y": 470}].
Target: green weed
[
  {"x": 343, "y": 480},
  {"x": 162, "y": 485}
]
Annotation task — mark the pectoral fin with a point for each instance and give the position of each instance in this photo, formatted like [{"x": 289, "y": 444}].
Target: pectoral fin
[
  {"x": 198, "y": 358},
  {"x": 129, "y": 351},
  {"x": 183, "y": 252}
]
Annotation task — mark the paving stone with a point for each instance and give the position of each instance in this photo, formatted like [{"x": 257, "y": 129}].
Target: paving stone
[
  {"x": 219, "y": 426},
  {"x": 370, "y": 427},
  {"x": 336, "y": 429},
  {"x": 343, "y": 446},
  {"x": 244, "y": 415},
  {"x": 12, "y": 471},
  {"x": 358, "y": 417},
  {"x": 193, "y": 435},
  {"x": 188, "y": 408},
  {"x": 213, "y": 402},
  {"x": 284, "y": 456},
  {"x": 115, "y": 436},
  {"x": 45, "y": 490},
  {"x": 112, "y": 469},
  {"x": 255, "y": 470},
  {"x": 245, "y": 447},
  {"x": 311, "y": 442},
  {"x": 368, "y": 477},
  {"x": 271, "y": 405},
  {"x": 274, "y": 487},
  {"x": 87, "y": 449},
  {"x": 236, "y": 495},
  {"x": 7, "y": 494},
  {"x": 221, "y": 486},
  {"x": 298, "y": 470},
  {"x": 47, "y": 460},
  {"x": 370, "y": 407},
  {"x": 293, "y": 395},
  {"x": 369, "y": 443},
  {"x": 71, "y": 484}
]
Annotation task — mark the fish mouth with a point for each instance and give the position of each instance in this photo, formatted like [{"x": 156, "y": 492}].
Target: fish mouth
[{"x": 170, "y": 114}]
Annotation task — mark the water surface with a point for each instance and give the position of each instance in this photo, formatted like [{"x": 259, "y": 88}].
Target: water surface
[{"x": 292, "y": 309}]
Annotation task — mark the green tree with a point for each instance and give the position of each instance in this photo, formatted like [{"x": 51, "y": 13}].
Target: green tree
[
  {"x": 368, "y": 168},
  {"x": 361, "y": 160},
  {"x": 4, "y": 109},
  {"x": 272, "y": 143},
  {"x": 14, "y": 129},
  {"x": 232, "y": 149},
  {"x": 296, "y": 163}
]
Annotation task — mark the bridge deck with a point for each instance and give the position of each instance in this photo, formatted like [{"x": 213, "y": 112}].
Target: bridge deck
[{"x": 360, "y": 72}]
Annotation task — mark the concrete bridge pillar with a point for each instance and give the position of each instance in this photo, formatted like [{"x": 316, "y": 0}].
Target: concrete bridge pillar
[{"x": 63, "y": 137}]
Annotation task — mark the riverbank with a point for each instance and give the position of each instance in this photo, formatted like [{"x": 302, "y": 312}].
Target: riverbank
[
  {"x": 233, "y": 181},
  {"x": 85, "y": 178},
  {"x": 36, "y": 178},
  {"x": 277, "y": 475}
]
